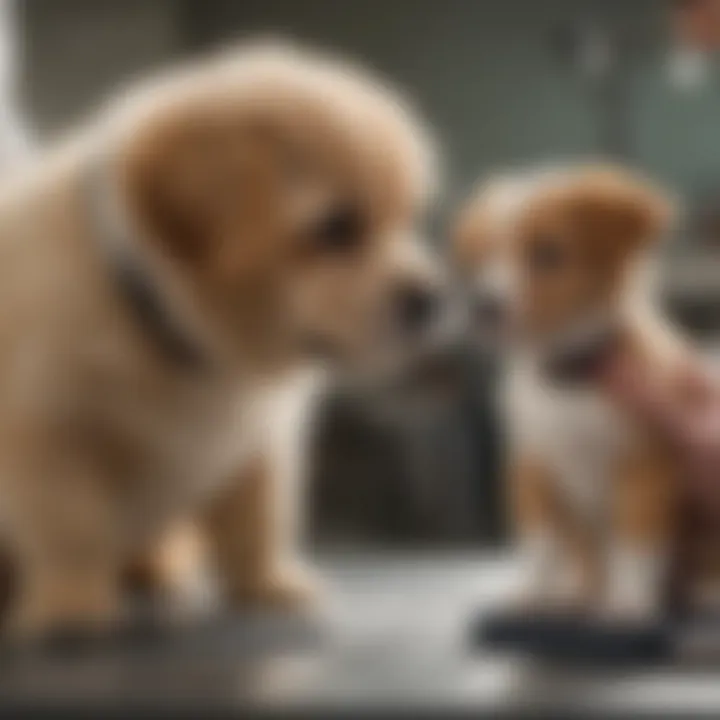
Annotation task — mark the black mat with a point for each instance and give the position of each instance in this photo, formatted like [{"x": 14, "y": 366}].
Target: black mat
[{"x": 580, "y": 638}]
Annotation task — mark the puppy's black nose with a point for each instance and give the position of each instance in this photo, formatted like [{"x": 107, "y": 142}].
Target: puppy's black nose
[
  {"x": 489, "y": 310},
  {"x": 416, "y": 307}
]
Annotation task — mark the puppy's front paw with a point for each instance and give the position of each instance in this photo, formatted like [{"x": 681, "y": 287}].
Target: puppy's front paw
[
  {"x": 294, "y": 588},
  {"x": 634, "y": 587},
  {"x": 549, "y": 581},
  {"x": 174, "y": 574},
  {"x": 630, "y": 607},
  {"x": 554, "y": 598}
]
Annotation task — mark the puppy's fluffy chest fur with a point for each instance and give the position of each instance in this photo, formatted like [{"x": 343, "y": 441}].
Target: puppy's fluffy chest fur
[
  {"x": 200, "y": 437},
  {"x": 178, "y": 449},
  {"x": 576, "y": 433}
]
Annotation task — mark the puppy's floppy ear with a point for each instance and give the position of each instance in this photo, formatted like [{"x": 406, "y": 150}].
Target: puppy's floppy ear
[
  {"x": 190, "y": 180},
  {"x": 163, "y": 178},
  {"x": 624, "y": 212}
]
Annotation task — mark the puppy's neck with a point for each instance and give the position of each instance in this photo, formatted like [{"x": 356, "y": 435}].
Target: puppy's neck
[
  {"x": 577, "y": 355},
  {"x": 152, "y": 295},
  {"x": 580, "y": 359},
  {"x": 168, "y": 308}
]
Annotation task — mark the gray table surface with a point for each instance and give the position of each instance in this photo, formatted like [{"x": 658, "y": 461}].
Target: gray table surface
[{"x": 393, "y": 635}]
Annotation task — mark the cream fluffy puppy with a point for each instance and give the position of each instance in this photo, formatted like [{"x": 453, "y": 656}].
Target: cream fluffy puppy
[{"x": 172, "y": 282}]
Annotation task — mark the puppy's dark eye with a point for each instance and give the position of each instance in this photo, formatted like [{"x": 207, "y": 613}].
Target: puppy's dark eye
[
  {"x": 340, "y": 231},
  {"x": 546, "y": 254}
]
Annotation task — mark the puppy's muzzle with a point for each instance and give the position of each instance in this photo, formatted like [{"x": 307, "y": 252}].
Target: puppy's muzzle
[
  {"x": 417, "y": 307},
  {"x": 489, "y": 311}
]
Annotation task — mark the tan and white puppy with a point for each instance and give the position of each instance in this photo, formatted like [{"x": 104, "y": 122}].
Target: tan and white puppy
[
  {"x": 557, "y": 263},
  {"x": 171, "y": 281}
]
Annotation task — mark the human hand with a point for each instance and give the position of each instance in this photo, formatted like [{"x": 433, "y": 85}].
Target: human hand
[{"x": 686, "y": 412}]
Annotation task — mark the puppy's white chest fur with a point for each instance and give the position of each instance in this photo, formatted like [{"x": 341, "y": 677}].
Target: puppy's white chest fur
[
  {"x": 247, "y": 421},
  {"x": 575, "y": 432},
  {"x": 190, "y": 445}
]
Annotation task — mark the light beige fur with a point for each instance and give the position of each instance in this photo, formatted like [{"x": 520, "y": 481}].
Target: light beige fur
[{"x": 219, "y": 182}]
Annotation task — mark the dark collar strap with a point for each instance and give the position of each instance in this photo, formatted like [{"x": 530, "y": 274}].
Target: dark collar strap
[
  {"x": 584, "y": 362},
  {"x": 134, "y": 283},
  {"x": 142, "y": 297}
]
